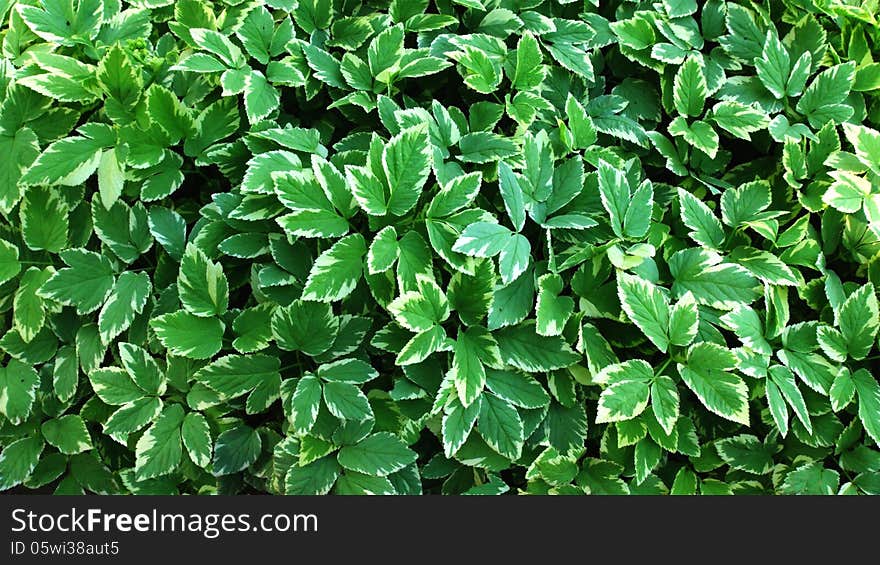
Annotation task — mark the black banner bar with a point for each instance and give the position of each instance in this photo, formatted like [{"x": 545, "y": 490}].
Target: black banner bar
[{"x": 257, "y": 529}]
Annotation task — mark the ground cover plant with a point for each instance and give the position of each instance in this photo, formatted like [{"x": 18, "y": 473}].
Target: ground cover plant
[{"x": 457, "y": 246}]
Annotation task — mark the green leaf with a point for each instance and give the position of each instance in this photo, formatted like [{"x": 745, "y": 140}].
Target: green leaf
[
  {"x": 740, "y": 205},
  {"x": 219, "y": 45},
  {"x": 114, "y": 386},
  {"x": 233, "y": 375},
  {"x": 626, "y": 395},
  {"x": 422, "y": 345},
  {"x": 167, "y": 111},
  {"x": 457, "y": 424},
  {"x": 260, "y": 97},
  {"x": 483, "y": 239},
  {"x": 869, "y": 402},
  {"x": 187, "y": 335},
  {"x": 712, "y": 281},
  {"x": 215, "y": 122},
  {"x": 85, "y": 283},
  {"x": 552, "y": 311},
  {"x": 313, "y": 214},
  {"x": 646, "y": 306},
  {"x": 9, "y": 264},
  {"x": 20, "y": 148},
  {"x": 423, "y": 309},
  {"x": 352, "y": 483},
  {"x": 483, "y": 74},
  {"x": 455, "y": 195},
  {"x": 142, "y": 368},
  {"x": 523, "y": 348},
  {"x": 630, "y": 213},
  {"x": 519, "y": 389},
  {"x": 69, "y": 162},
  {"x": 483, "y": 147},
  {"x": 685, "y": 482},
  {"x": 312, "y": 448},
  {"x": 680, "y": 8},
  {"x": 746, "y": 453},
  {"x": 385, "y": 52},
  {"x": 127, "y": 299},
  {"x": 468, "y": 373},
  {"x": 811, "y": 368},
  {"x": 501, "y": 426},
  {"x": 778, "y": 407},
  {"x": 689, "y": 88},
  {"x": 573, "y": 58},
  {"x": 18, "y": 386},
  {"x": 169, "y": 229},
  {"x": 638, "y": 213},
  {"x": 859, "y": 321},
  {"x": 29, "y": 313},
  {"x": 705, "y": 228},
  {"x": 784, "y": 381},
  {"x": 18, "y": 460},
  {"x": 201, "y": 284},
  {"x": 646, "y": 457},
  {"x": 236, "y": 449},
  {"x": 698, "y": 134},
  {"x": 721, "y": 392},
  {"x": 196, "y": 437},
  {"x": 159, "y": 449},
  {"x": 847, "y": 193},
  {"x": 529, "y": 68},
  {"x": 471, "y": 296},
  {"x": 615, "y": 192},
  {"x": 309, "y": 327},
  {"x": 665, "y": 402},
  {"x": 774, "y": 66},
  {"x": 44, "y": 219},
  {"x": 406, "y": 161},
  {"x": 800, "y": 72},
  {"x": 583, "y": 130},
  {"x": 352, "y": 371},
  {"x": 367, "y": 190},
  {"x": 831, "y": 86},
  {"x": 346, "y": 401},
  {"x": 65, "y": 375},
  {"x": 380, "y": 454},
  {"x": 253, "y": 329},
  {"x": 383, "y": 251},
  {"x": 739, "y": 119},
  {"x": 811, "y": 478},
  {"x": 68, "y": 434},
  {"x": 765, "y": 266},
  {"x": 305, "y": 404},
  {"x": 514, "y": 258},
  {"x": 842, "y": 391},
  {"x": 325, "y": 66},
  {"x": 336, "y": 272},
  {"x": 317, "y": 477},
  {"x": 512, "y": 194},
  {"x": 684, "y": 321},
  {"x": 133, "y": 416},
  {"x": 111, "y": 178},
  {"x": 866, "y": 144}
]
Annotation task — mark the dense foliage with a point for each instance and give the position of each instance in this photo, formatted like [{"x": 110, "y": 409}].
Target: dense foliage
[{"x": 458, "y": 246}]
